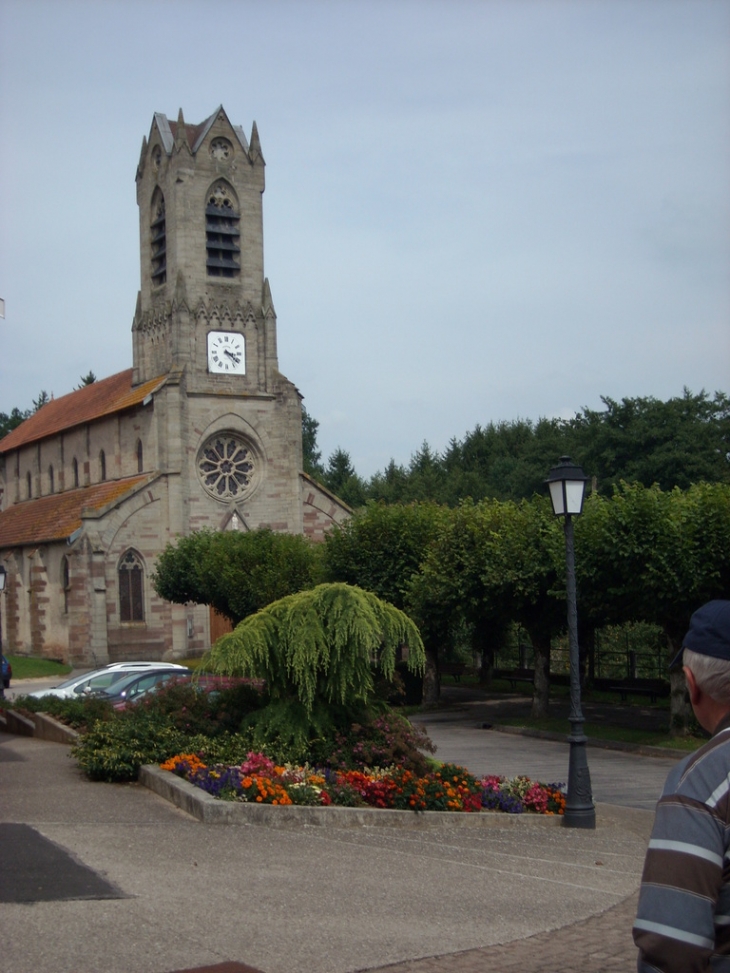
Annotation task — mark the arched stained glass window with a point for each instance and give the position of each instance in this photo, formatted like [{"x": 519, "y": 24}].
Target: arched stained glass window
[{"x": 131, "y": 587}]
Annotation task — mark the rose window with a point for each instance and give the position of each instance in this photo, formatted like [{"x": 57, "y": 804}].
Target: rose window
[{"x": 226, "y": 467}]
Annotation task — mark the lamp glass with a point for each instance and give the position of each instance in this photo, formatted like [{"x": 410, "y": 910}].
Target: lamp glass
[
  {"x": 2, "y": 577},
  {"x": 557, "y": 498},
  {"x": 574, "y": 491}
]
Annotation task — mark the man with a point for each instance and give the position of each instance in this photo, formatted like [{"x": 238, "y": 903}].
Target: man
[{"x": 683, "y": 920}]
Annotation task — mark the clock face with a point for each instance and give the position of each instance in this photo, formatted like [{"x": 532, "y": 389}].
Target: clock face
[{"x": 226, "y": 353}]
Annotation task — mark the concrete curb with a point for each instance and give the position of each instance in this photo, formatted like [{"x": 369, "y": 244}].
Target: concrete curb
[
  {"x": 38, "y": 725},
  {"x": 13, "y": 722},
  {"x": 210, "y": 810},
  {"x": 48, "y": 728}
]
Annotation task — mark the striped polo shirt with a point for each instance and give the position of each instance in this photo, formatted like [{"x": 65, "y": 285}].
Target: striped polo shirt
[{"x": 683, "y": 920}]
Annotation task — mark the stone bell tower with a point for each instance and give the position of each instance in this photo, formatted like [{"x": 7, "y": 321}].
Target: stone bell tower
[{"x": 204, "y": 305}]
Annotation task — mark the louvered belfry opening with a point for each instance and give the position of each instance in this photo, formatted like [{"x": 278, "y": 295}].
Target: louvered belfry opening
[
  {"x": 158, "y": 240},
  {"x": 222, "y": 233}
]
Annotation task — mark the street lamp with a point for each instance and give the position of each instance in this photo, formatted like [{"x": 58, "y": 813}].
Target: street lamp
[
  {"x": 2, "y": 588},
  {"x": 567, "y": 484}
]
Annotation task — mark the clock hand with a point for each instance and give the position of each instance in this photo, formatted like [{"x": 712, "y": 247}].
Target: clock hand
[{"x": 234, "y": 358}]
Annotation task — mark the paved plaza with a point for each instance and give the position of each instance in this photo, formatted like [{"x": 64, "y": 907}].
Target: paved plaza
[{"x": 526, "y": 895}]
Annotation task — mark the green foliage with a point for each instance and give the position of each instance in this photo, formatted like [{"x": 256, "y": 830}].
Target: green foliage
[
  {"x": 236, "y": 572},
  {"x": 77, "y": 713},
  {"x": 381, "y": 548},
  {"x": 10, "y": 421},
  {"x": 679, "y": 442},
  {"x": 311, "y": 456},
  {"x": 323, "y": 644},
  {"x": 340, "y": 477},
  {"x": 675, "y": 443},
  {"x": 87, "y": 379},
  {"x": 114, "y": 750}
]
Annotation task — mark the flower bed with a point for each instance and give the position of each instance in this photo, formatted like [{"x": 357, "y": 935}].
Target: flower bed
[{"x": 450, "y": 788}]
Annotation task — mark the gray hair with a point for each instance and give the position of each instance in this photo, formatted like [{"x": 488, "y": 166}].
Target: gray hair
[{"x": 712, "y": 675}]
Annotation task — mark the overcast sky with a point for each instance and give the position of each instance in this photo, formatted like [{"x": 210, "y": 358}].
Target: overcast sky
[{"x": 474, "y": 211}]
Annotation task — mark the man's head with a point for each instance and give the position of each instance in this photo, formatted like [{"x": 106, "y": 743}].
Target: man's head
[{"x": 706, "y": 659}]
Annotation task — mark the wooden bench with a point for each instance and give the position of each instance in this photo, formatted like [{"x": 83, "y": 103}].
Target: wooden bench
[
  {"x": 455, "y": 669},
  {"x": 516, "y": 679},
  {"x": 626, "y": 691}
]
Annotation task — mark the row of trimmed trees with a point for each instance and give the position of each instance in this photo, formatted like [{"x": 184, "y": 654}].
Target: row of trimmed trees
[{"x": 642, "y": 554}]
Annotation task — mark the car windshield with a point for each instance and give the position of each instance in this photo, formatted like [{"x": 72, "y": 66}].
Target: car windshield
[
  {"x": 102, "y": 680},
  {"x": 137, "y": 683},
  {"x": 74, "y": 680}
]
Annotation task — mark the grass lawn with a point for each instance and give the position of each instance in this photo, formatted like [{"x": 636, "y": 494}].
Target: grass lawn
[
  {"x": 623, "y": 734},
  {"x": 27, "y": 668}
]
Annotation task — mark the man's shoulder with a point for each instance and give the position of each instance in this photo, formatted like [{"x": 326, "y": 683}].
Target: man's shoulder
[{"x": 699, "y": 773}]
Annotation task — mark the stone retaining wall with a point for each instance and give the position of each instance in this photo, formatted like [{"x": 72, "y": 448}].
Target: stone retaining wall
[{"x": 211, "y": 810}]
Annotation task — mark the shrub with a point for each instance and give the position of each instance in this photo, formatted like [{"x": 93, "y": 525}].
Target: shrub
[
  {"x": 114, "y": 750},
  {"x": 78, "y": 713},
  {"x": 386, "y": 741}
]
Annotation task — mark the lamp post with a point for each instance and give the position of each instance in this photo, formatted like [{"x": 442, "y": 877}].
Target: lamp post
[
  {"x": 567, "y": 483},
  {"x": 2, "y": 588}
]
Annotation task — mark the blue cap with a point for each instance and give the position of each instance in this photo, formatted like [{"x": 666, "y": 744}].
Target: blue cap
[{"x": 709, "y": 632}]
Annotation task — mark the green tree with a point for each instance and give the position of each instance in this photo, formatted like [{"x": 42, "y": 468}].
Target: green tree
[
  {"x": 11, "y": 421},
  {"x": 311, "y": 455},
  {"x": 380, "y": 549},
  {"x": 236, "y": 572},
  {"x": 87, "y": 379},
  {"x": 43, "y": 398},
  {"x": 340, "y": 477},
  {"x": 675, "y": 443},
  {"x": 319, "y": 652},
  {"x": 655, "y": 556}
]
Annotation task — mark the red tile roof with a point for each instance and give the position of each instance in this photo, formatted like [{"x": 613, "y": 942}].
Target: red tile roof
[
  {"x": 58, "y": 515},
  {"x": 101, "y": 398}
]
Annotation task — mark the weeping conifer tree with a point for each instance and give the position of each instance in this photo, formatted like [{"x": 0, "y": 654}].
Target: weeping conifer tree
[{"x": 319, "y": 652}]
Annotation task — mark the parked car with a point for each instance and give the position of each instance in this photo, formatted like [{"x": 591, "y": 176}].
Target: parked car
[
  {"x": 203, "y": 683},
  {"x": 105, "y": 677},
  {"x": 134, "y": 686},
  {"x": 7, "y": 673}
]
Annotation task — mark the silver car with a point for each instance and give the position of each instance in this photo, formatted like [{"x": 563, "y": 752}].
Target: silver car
[{"x": 103, "y": 679}]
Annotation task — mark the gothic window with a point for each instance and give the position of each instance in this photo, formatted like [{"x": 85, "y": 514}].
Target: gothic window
[
  {"x": 222, "y": 232},
  {"x": 65, "y": 583},
  {"x": 158, "y": 239},
  {"x": 75, "y": 467},
  {"x": 51, "y": 480},
  {"x": 29, "y": 484},
  {"x": 227, "y": 467},
  {"x": 102, "y": 465},
  {"x": 131, "y": 588},
  {"x": 140, "y": 457}
]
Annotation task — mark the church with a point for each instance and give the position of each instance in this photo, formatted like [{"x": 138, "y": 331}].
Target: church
[{"x": 203, "y": 431}]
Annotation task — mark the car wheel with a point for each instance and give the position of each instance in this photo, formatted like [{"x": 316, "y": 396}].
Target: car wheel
[{"x": 6, "y": 683}]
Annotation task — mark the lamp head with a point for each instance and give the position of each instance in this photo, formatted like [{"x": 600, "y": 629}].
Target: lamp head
[{"x": 567, "y": 483}]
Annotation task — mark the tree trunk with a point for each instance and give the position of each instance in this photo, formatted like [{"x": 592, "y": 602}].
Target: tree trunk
[
  {"x": 681, "y": 716},
  {"x": 541, "y": 686},
  {"x": 431, "y": 680},
  {"x": 483, "y": 643}
]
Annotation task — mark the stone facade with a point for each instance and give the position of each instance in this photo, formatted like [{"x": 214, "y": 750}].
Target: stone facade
[{"x": 202, "y": 432}]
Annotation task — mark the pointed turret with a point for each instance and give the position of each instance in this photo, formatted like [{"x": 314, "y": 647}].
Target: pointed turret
[
  {"x": 254, "y": 149},
  {"x": 181, "y": 133},
  {"x": 266, "y": 302}
]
